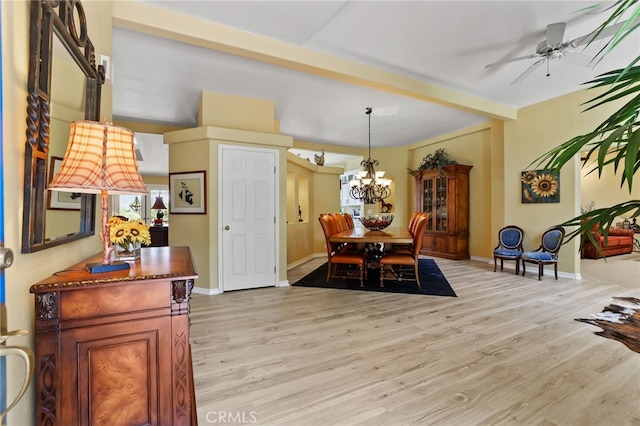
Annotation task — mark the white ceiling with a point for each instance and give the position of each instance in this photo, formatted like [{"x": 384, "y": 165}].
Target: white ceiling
[{"x": 443, "y": 42}]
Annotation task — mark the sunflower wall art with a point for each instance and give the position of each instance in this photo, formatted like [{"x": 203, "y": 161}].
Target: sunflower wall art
[{"x": 540, "y": 186}]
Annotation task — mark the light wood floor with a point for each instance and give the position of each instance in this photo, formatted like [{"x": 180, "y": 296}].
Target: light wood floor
[{"x": 505, "y": 351}]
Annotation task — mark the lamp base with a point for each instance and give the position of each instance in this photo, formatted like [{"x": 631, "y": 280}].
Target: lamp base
[{"x": 98, "y": 268}]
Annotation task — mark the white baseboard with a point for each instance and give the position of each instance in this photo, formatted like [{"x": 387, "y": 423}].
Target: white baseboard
[
  {"x": 304, "y": 260},
  {"x": 533, "y": 269},
  {"x": 216, "y": 291},
  {"x": 206, "y": 291}
]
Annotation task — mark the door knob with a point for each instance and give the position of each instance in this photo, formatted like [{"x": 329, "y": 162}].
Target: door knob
[
  {"x": 226, "y": 228},
  {"x": 6, "y": 257}
]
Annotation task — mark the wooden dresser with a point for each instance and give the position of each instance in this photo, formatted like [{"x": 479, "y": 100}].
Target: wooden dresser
[
  {"x": 113, "y": 348},
  {"x": 159, "y": 236}
]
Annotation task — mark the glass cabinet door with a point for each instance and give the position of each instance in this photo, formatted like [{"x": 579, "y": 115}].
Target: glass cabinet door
[
  {"x": 428, "y": 201},
  {"x": 441, "y": 203}
]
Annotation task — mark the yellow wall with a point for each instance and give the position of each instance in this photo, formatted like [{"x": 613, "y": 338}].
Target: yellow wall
[
  {"x": 196, "y": 230},
  {"x": 321, "y": 186},
  {"x": 200, "y": 232},
  {"x": 236, "y": 112},
  {"x": 299, "y": 234},
  {"x": 326, "y": 199},
  {"x": 539, "y": 128},
  {"x": 155, "y": 180},
  {"x": 31, "y": 268}
]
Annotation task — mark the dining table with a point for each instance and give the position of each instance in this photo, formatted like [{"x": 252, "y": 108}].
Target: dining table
[
  {"x": 373, "y": 243},
  {"x": 390, "y": 235}
]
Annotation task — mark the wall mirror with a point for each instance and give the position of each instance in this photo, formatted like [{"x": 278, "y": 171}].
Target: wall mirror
[{"x": 64, "y": 85}]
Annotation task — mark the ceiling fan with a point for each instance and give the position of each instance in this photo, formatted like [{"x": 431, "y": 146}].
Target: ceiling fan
[{"x": 554, "y": 47}]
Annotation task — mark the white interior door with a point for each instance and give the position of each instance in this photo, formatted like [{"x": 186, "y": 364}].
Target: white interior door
[{"x": 247, "y": 215}]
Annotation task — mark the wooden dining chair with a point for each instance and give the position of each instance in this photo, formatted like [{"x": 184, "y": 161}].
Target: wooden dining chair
[
  {"x": 340, "y": 222},
  {"x": 402, "y": 258},
  {"x": 408, "y": 248},
  {"x": 336, "y": 255},
  {"x": 349, "y": 219}
]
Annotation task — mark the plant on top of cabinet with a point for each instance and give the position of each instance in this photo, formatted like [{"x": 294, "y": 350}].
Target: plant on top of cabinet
[{"x": 436, "y": 160}]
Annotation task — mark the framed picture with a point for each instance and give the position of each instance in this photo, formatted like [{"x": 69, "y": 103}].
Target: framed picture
[
  {"x": 187, "y": 193},
  {"x": 540, "y": 186},
  {"x": 61, "y": 200}
]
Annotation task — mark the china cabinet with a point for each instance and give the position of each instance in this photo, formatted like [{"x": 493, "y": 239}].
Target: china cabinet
[
  {"x": 113, "y": 348},
  {"x": 445, "y": 195}
]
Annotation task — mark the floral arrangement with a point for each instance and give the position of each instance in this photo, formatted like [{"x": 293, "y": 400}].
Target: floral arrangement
[
  {"x": 124, "y": 233},
  {"x": 436, "y": 160}
]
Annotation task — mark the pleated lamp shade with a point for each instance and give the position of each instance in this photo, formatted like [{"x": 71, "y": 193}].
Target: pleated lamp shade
[
  {"x": 100, "y": 159},
  {"x": 100, "y": 156}
]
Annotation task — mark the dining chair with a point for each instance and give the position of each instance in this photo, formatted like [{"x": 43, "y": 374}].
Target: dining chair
[
  {"x": 408, "y": 248},
  {"x": 338, "y": 256},
  {"x": 509, "y": 247},
  {"x": 402, "y": 258},
  {"x": 340, "y": 224},
  {"x": 547, "y": 253},
  {"x": 340, "y": 221},
  {"x": 349, "y": 219}
]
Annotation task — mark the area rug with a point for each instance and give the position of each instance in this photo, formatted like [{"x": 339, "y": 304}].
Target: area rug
[
  {"x": 619, "y": 321},
  {"x": 432, "y": 280}
]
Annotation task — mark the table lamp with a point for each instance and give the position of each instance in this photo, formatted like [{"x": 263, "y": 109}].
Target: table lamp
[
  {"x": 100, "y": 159},
  {"x": 158, "y": 206}
]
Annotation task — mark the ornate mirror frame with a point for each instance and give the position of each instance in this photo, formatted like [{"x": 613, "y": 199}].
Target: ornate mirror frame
[{"x": 66, "y": 20}]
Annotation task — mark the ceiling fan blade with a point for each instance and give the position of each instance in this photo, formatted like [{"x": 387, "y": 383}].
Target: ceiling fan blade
[
  {"x": 555, "y": 33},
  {"x": 528, "y": 71},
  {"x": 506, "y": 61},
  {"x": 606, "y": 32}
]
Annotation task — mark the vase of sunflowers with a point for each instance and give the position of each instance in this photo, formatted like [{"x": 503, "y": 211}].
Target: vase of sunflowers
[{"x": 128, "y": 237}]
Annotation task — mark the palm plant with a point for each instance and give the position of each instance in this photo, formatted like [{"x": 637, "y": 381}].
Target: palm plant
[{"x": 616, "y": 141}]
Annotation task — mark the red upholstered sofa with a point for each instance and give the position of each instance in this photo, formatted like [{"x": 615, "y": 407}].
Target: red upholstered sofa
[{"x": 619, "y": 241}]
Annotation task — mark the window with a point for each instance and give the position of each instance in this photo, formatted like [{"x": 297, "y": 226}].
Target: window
[{"x": 127, "y": 206}]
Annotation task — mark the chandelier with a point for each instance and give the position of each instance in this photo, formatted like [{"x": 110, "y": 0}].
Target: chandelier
[
  {"x": 369, "y": 185},
  {"x": 135, "y": 204}
]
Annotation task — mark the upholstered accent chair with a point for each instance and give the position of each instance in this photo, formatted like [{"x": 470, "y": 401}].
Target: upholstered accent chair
[
  {"x": 509, "y": 247},
  {"x": 401, "y": 258},
  {"x": 339, "y": 255},
  {"x": 547, "y": 253}
]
